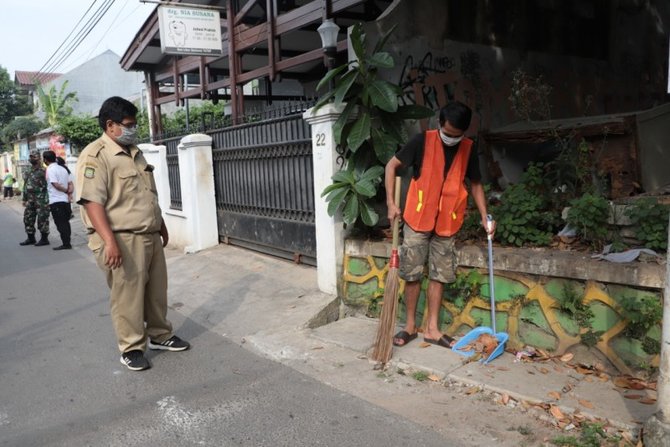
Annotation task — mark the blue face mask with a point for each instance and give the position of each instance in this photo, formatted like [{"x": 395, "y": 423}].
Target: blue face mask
[{"x": 128, "y": 136}]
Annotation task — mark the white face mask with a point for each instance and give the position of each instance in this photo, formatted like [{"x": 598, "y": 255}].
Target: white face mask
[
  {"x": 450, "y": 141},
  {"x": 128, "y": 136}
]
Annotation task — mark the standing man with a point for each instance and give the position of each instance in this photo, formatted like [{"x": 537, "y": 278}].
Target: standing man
[
  {"x": 116, "y": 188},
  {"x": 58, "y": 186},
  {"x": 8, "y": 184},
  {"x": 35, "y": 201},
  {"x": 434, "y": 212}
]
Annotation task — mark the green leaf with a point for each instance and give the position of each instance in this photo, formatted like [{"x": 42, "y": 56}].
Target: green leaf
[
  {"x": 342, "y": 121},
  {"x": 359, "y": 132},
  {"x": 357, "y": 39},
  {"x": 331, "y": 75},
  {"x": 350, "y": 213},
  {"x": 344, "y": 177},
  {"x": 384, "y": 145},
  {"x": 373, "y": 174},
  {"x": 383, "y": 95},
  {"x": 415, "y": 112},
  {"x": 332, "y": 187},
  {"x": 344, "y": 84},
  {"x": 365, "y": 188},
  {"x": 337, "y": 200},
  {"x": 368, "y": 214},
  {"x": 381, "y": 60}
]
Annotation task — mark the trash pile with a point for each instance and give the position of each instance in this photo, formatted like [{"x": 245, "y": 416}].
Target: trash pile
[{"x": 482, "y": 347}]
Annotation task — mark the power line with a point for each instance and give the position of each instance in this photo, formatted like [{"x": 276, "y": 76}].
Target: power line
[
  {"x": 52, "y": 65},
  {"x": 68, "y": 36},
  {"x": 109, "y": 27},
  {"x": 92, "y": 22}
]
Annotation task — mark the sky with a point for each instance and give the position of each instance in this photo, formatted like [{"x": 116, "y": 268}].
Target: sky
[{"x": 33, "y": 30}]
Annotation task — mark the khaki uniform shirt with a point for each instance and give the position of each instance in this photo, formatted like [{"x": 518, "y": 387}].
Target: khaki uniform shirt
[{"x": 121, "y": 182}]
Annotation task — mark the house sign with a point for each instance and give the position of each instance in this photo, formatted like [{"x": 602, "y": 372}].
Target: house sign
[{"x": 190, "y": 31}]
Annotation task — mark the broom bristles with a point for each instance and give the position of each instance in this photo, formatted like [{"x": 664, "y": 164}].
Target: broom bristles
[{"x": 383, "y": 347}]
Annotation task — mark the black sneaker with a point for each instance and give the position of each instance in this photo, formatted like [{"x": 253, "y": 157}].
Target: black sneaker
[
  {"x": 134, "y": 360},
  {"x": 173, "y": 343},
  {"x": 63, "y": 247}
]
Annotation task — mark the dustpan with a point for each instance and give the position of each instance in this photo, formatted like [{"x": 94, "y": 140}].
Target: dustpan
[{"x": 474, "y": 334}]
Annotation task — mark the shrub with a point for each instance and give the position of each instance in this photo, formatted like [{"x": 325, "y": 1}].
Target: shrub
[
  {"x": 588, "y": 215},
  {"x": 650, "y": 220}
]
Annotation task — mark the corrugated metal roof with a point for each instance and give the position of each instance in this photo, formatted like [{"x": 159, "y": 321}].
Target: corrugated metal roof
[{"x": 29, "y": 77}]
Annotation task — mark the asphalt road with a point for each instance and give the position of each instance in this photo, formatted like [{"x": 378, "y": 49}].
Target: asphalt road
[{"x": 61, "y": 382}]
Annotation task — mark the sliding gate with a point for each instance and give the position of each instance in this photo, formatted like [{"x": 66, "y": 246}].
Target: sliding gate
[{"x": 264, "y": 184}]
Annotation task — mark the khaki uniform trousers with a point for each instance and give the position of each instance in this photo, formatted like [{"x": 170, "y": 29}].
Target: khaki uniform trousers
[{"x": 138, "y": 298}]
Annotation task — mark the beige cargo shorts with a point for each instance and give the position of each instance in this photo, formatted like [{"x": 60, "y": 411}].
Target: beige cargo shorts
[{"x": 417, "y": 248}]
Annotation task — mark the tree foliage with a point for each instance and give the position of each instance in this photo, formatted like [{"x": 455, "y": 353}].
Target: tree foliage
[
  {"x": 21, "y": 127},
  {"x": 56, "y": 103},
  {"x": 11, "y": 103},
  {"x": 78, "y": 130}
]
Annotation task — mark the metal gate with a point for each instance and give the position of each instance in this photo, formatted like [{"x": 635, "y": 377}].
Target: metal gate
[{"x": 264, "y": 184}]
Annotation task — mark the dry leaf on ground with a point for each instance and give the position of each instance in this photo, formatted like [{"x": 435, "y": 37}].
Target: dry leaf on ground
[
  {"x": 543, "y": 370},
  {"x": 585, "y": 403},
  {"x": 554, "y": 394},
  {"x": 505, "y": 398},
  {"x": 434, "y": 378},
  {"x": 633, "y": 396},
  {"x": 648, "y": 401},
  {"x": 567, "y": 357},
  {"x": 630, "y": 383},
  {"x": 556, "y": 412},
  {"x": 471, "y": 390},
  {"x": 423, "y": 344}
]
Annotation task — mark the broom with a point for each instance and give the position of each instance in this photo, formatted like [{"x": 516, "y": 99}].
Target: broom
[{"x": 383, "y": 346}]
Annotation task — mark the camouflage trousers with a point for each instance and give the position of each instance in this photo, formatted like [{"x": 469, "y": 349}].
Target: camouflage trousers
[
  {"x": 36, "y": 210},
  {"x": 418, "y": 247}
]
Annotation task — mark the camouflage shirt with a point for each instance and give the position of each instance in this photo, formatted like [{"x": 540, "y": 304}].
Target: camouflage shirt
[{"x": 35, "y": 185}]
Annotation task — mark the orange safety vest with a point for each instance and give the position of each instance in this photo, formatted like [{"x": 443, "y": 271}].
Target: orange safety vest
[{"x": 435, "y": 203}]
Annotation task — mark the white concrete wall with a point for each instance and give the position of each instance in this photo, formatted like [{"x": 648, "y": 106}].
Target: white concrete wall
[{"x": 194, "y": 227}]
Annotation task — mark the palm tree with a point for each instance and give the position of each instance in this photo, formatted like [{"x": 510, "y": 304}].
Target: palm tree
[{"x": 56, "y": 104}]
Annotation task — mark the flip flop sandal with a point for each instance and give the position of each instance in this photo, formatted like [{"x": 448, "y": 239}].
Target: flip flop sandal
[
  {"x": 405, "y": 336},
  {"x": 445, "y": 341}
]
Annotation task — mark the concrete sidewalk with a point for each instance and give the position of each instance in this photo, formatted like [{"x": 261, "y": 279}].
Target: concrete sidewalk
[{"x": 274, "y": 308}]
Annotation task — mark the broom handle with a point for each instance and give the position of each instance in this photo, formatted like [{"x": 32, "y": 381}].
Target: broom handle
[
  {"x": 489, "y": 221},
  {"x": 396, "y": 220}
]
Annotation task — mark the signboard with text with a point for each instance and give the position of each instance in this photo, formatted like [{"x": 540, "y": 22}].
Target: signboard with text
[{"x": 190, "y": 31}]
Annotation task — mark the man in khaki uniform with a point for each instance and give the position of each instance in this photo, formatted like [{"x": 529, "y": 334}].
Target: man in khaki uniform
[{"x": 116, "y": 189}]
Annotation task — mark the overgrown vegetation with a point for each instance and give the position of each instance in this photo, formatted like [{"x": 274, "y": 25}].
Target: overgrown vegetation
[
  {"x": 589, "y": 215},
  {"x": 466, "y": 287},
  {"x": 591, "y": 435},
  {"x": 79, "y": 131},
  {"x": 572, "y": 304},
  {"x": 650, "y": 221},
  {"x": 643, "y": 314}
]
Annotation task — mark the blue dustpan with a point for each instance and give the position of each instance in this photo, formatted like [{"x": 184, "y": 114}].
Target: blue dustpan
[{"x": 474, "y": 334}]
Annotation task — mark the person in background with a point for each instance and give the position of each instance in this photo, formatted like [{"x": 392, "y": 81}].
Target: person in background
[
  {"x": 35, "y": 201},
  {"x": 119, "y": 206},
  {"x": 8, "y": 184},
  {"x": 59, "y": 187},
  {"x": 434, "y": 211}
]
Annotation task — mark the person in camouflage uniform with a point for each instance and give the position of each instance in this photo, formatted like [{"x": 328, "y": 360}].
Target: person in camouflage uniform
[{"x": 35, "y": 201}]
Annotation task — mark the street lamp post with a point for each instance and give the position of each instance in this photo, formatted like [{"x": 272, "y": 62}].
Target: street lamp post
[{"x": 328, "y": 31}]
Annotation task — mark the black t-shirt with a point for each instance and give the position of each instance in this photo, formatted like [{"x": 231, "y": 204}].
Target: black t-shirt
[{"x": 411, "y": 155}]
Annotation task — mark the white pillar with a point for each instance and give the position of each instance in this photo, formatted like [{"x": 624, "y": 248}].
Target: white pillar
[
  {"x": 657, "y": 427},
  {"x": 157, "y": 157},
  {"x": 196, "y": 175},
  {"x": 329, "y": 230}
]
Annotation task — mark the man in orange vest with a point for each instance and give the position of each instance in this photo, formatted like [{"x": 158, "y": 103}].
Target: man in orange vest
[{"x": 434, "y": 212}]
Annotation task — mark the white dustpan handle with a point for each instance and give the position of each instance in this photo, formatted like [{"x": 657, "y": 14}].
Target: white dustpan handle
[{"x": 489, "y": 222}]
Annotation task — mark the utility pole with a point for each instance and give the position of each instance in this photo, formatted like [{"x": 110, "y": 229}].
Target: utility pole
[{"x": 657, "y": 427}]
